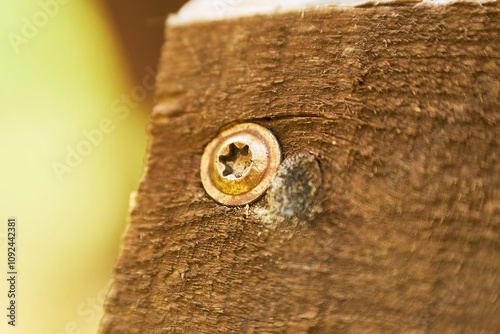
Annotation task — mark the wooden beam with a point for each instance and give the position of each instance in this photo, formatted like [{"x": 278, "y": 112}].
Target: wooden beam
[{"x": 390, "y": 113}]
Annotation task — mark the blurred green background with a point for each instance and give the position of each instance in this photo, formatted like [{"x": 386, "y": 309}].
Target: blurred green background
[{"x": 76, "y": 88}]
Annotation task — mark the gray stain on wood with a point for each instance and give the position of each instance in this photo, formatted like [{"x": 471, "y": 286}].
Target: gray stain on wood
[{"x": 291, "y": 199}]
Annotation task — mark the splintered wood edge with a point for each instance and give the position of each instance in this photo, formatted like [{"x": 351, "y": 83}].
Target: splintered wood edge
[{"x": 214, "y": 10}]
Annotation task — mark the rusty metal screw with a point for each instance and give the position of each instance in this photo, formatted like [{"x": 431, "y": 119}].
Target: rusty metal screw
[{"x": 238, "y": 166}]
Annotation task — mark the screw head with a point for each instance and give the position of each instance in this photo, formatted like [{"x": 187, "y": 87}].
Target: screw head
[{"x": 238, "y": 166}]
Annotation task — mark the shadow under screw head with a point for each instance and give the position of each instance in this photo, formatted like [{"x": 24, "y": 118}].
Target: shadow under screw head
[{"x": 238, "y": 166}]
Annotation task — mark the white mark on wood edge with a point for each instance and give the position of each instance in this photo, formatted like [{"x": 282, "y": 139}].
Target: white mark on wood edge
[{"x": 213, "y": 10}]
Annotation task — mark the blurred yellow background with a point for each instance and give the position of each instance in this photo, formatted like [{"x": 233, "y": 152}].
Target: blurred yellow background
[{"x": 73, "y": 119}]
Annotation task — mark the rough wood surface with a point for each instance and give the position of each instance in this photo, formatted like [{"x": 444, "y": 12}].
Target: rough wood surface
[{"x": 400, "y": 107}]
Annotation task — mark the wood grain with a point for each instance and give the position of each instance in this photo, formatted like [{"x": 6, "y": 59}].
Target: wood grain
[{"x": 400, "y": 107}]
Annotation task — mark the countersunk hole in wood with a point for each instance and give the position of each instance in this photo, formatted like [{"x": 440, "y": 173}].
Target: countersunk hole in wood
[{"x": 292, "y": 196}]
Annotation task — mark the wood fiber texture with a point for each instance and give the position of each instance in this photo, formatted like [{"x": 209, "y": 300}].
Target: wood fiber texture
[{"x": 400, "y": 107}]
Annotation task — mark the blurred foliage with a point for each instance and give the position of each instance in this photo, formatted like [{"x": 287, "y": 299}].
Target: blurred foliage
[{"x": 72, "y": 146}]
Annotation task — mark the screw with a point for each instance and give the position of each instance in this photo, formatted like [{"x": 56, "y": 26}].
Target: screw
[{"x": 238, "y": 166}]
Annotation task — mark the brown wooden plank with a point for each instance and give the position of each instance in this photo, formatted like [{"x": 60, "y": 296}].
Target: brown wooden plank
[{"x": 400, "y": 107}]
